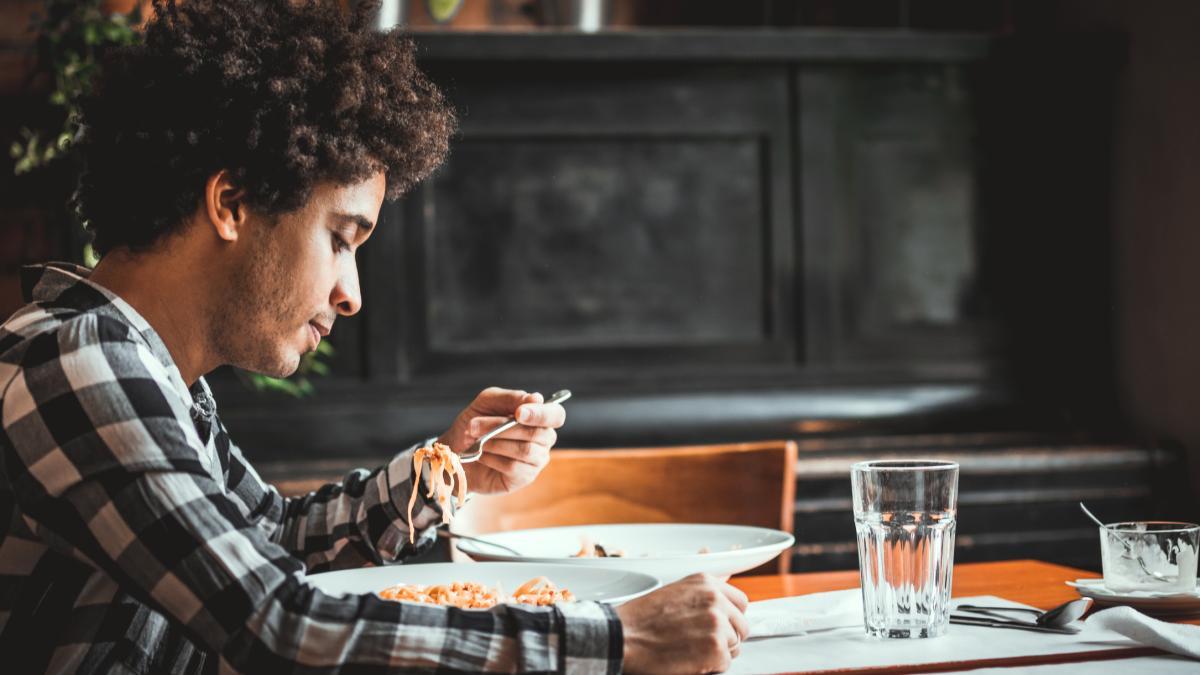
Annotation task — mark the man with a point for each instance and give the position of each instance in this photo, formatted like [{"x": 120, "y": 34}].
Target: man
[{"x": 235, "y": 163}]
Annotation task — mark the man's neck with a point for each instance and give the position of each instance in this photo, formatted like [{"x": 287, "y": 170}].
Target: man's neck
[{"x": 161, "y": 290}]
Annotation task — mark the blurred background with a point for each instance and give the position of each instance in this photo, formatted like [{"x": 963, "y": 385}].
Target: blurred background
[{"x": 876, "y": 228}]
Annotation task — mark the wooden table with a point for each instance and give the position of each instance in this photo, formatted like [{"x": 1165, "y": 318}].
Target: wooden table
[{"x": 1027, "y": 581}]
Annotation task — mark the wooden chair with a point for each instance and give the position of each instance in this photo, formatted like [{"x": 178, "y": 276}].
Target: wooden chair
[{"x": 740, "y": 483}]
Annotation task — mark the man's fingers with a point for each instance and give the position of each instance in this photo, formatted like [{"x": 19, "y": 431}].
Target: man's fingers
[
  {"x": 736, "y": 596},
  {"x": 551, "y": 415},
  {"x": 498, "y": 401},
  {"x": 520, "y": 472},
  {"x": 736, "y": 618},
  {"x": 526, "y": 452}
]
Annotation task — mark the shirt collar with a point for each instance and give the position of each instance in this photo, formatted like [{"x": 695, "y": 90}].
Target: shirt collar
[{"x": 66, "y": 285}]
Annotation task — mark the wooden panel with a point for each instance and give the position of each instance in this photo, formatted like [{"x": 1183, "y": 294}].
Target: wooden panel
[
  {"x": 597, "y": 243},
  {"x": 1045, "y": 126},
  {"x": 706, "y": 45},
  {"x": 852, "y": 332},
  {"x": 15, "y": 66},
  {"x": 15, "y": 19},
  {"x": 890, "y": 215},
  {"x": 616, "y": 215},
  {"x": 623, "y": 408}
]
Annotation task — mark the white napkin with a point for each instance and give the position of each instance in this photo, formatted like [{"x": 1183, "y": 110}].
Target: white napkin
[
  {"x": 1176, "y": 638},
  {"x": 805, "y": 613}
]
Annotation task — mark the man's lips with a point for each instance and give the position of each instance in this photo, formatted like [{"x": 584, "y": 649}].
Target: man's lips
[{"x": 317, "y": 331}]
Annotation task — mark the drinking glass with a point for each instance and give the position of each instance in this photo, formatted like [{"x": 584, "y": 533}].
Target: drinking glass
[
  {"x": 904, "y": 514},
  {"x": 1150, "y": 556}
]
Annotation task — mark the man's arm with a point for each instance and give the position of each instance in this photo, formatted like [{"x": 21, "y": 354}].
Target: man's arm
[
  {"x": 361, "y": 520},
  {"x": 105, "y": 466},
  {"x": 354, "y": 523}
]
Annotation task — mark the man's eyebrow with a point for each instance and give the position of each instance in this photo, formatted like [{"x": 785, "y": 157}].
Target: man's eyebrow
[{"x": 363, "y": 222}]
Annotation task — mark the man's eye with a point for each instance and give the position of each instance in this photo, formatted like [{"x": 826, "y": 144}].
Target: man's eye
[{"x": 340, "y": 244}]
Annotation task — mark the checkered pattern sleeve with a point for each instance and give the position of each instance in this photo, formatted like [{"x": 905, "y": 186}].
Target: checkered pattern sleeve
[
  {"x": 106, "y": 467},
  {"x": 361, "y": 520}
]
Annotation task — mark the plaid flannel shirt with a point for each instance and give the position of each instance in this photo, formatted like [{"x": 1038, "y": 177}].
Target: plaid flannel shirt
[{"x": 136, "y": 538}]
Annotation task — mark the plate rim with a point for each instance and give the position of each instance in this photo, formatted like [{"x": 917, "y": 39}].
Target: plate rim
[
  {"x": 655, "y": 583},
  {"x": 789, "y": 540}
]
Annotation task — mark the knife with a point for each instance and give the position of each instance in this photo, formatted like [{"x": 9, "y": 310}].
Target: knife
[{"x": 996, "y": 623}]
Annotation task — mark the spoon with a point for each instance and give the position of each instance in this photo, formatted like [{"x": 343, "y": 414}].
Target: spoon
[
  {"x": 1128, "y": 547},
  {"x": 1056, "y": 617},
  {"x": 476, "y": 450}
]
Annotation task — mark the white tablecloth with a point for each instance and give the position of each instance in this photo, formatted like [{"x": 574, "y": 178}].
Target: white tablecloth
[
  {"x": 1158, "y": 665},
  {"x": 848, "y": 646}
]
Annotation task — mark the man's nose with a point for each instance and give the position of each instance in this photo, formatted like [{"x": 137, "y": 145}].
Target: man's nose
[{"x": 346, "y": 295}]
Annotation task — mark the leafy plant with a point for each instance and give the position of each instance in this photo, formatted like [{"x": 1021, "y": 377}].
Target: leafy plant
[
  {"x": 298, "y": 384},
  {"x": 72, "y": 36}
]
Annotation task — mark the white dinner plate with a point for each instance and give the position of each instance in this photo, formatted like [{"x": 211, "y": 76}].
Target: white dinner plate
[
  {"x": 612, "y": 586},
  {"x": 668, "y": 551},
  {"x": 1145, "y": 601}
]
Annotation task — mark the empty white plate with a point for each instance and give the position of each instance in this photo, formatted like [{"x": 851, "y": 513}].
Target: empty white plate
[
  {"x": 668, "y": 551},
  {"x": 613, "y": 586}
]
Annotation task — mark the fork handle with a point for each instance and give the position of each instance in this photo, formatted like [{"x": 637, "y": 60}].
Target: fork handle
[
  {"x": 476, "y": 450},
  {"x": 999, "y": 609},
  {"x": 972, "y": 621}
]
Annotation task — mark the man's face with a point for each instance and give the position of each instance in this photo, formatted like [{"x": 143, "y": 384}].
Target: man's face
[{"x": 294, "y": 275}]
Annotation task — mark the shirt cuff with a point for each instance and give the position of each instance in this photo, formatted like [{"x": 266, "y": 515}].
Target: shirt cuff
[
  {"x": 593, "y": 641},
  {"x": 399, "y": 482}
]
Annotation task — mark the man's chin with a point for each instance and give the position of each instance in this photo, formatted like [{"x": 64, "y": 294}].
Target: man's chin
[{"x": 285, "y": 366}]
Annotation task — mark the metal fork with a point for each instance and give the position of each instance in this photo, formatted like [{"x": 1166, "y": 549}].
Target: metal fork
[
  {"x": 476, "y": 450},
  {"x": 447, "y": 534}
]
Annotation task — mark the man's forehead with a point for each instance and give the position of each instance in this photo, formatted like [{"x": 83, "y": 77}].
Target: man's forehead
[{"x": 361, "y": 199}]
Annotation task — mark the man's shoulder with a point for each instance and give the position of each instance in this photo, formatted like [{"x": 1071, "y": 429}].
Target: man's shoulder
[
  {"x": 86, "y": 388},
  {"x": 37, "y": 335},
  {"x": 71, "y": 328}
]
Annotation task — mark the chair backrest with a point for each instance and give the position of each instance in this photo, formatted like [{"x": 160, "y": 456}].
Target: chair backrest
[{"x": 740, "y": 483}]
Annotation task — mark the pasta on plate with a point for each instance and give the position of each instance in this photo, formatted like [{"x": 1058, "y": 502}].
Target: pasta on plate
[{"x": 538, "y": 591}]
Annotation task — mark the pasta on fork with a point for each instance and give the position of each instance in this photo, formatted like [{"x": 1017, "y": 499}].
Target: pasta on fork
[{"x": 446, "y": 477}]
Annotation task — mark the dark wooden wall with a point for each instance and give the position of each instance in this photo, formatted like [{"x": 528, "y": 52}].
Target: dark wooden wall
[
  {"x": 709, "y": 234},
  {"x": 878, "y": 244},
  {"x": 1153, "y": 207},
  {"x": 887, "y": 242}
]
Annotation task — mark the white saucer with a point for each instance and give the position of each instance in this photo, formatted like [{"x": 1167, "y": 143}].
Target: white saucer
[{"x": 1149, "y": 602}]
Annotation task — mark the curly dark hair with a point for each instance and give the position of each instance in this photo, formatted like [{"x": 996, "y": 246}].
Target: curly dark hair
[{"x": 282, "y": 94}]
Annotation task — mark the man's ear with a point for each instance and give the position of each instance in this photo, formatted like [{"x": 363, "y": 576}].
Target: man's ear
[{"x": 224, "y": 206}]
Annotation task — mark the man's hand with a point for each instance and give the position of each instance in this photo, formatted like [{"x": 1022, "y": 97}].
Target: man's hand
[
  {"x": 695, "y": 625},
  {"x": 512, "y": 459}
]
